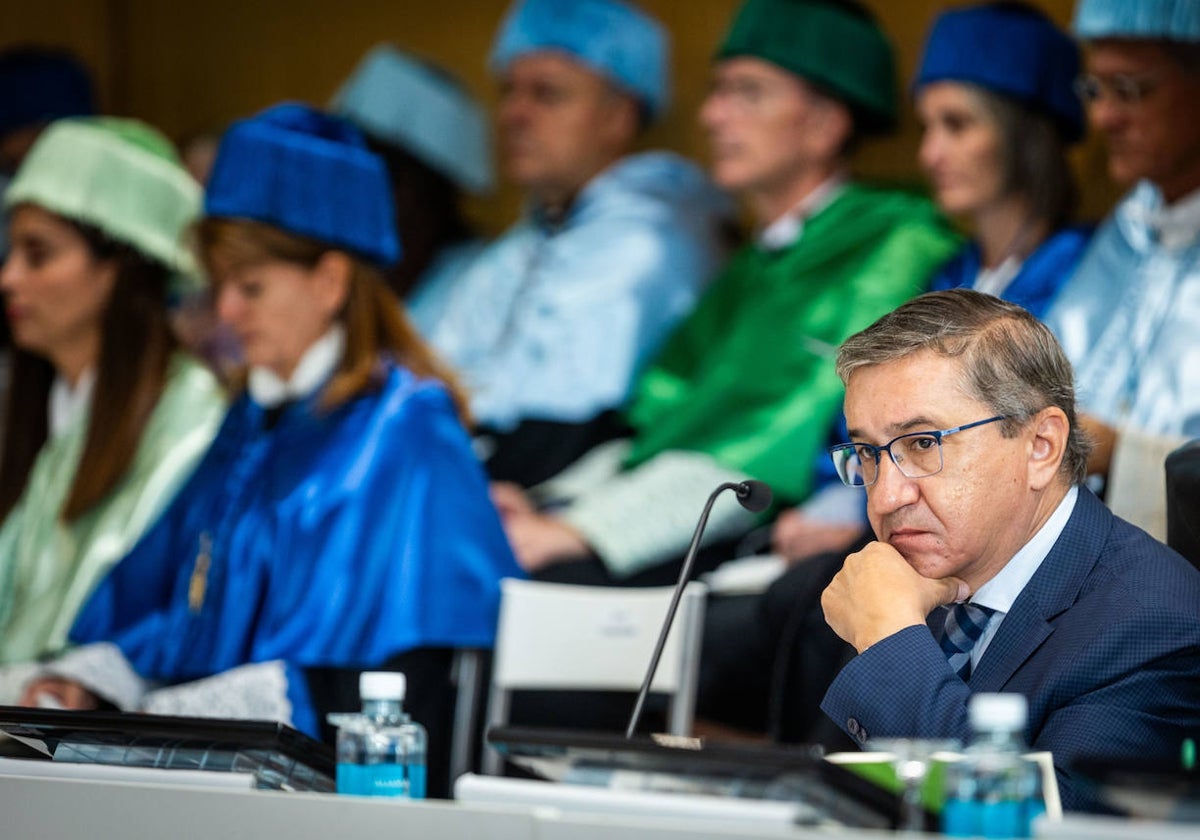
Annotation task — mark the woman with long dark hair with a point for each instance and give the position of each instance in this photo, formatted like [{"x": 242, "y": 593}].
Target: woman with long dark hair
[{"x": 105, "y": 416}]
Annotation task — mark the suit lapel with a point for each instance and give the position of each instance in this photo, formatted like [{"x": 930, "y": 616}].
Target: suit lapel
[{"x": 1053, "y": 588}]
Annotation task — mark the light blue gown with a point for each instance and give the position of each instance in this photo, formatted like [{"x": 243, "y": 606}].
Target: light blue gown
[
  {"x": 427, "y": 303},
  {"x": 553, "y": 320},
  {"x": 1129, "y": 321}
]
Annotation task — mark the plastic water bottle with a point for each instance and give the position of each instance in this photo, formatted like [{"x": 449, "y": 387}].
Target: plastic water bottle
[
  {"x": 994, "y": 791},
  {"x": 381, "y": 752}
]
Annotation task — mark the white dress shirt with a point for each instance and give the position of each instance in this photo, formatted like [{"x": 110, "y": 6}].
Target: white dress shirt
[{"x": 1000, "y": 593}]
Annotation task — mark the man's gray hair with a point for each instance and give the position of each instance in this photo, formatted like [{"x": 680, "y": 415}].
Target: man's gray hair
[{"x": 1010, "y": 361}]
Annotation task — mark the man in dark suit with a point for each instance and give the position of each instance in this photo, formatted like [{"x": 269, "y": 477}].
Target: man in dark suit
[{"x": 995, "y": 569}]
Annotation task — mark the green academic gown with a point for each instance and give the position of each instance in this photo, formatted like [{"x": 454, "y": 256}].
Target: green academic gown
[
  {"x": 749, "y": 378},
  {"x": 48, "y": 566}
]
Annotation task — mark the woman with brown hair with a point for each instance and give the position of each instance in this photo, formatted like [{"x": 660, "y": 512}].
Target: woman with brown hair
[
  {"x": 995, "y": 96},
  {"x": 340, "y": 520},
  {"x": 105, "y": 416}
]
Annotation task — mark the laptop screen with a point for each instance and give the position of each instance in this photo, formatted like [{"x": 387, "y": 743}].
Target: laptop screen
[
  {"x": 278, "y": 756},
  {"x": 688, "y": 765}
]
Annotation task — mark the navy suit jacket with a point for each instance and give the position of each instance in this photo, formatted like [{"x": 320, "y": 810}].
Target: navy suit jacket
[{"x": 1104, "y": 641}]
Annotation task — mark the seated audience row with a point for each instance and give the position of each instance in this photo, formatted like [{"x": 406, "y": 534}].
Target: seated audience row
[
  {"x": 998, "y": 115},
  {"x": 340, "y": 519},
  {"x": 745, "y": 387}
]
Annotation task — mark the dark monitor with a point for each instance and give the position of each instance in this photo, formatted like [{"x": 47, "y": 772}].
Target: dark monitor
[
  {"x": 832, "y": 792},
  {"x": 279, "y": 757},
  {"x": 1148, "y": 790}
]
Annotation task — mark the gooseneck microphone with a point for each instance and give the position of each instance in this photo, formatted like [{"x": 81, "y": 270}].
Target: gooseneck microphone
[{"x": 754, "y": 496}]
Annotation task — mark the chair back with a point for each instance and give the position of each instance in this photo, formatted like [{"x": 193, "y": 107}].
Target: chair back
[
  {"x": 561, "y": 637},
  {"x": 1183, "y": 501}
]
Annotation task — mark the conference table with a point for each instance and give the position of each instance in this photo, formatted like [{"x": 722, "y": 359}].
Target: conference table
[{"x": 115, "y": 808}]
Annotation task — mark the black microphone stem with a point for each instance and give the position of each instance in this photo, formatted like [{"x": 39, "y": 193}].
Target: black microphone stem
[{"x": 689, "y": 560}]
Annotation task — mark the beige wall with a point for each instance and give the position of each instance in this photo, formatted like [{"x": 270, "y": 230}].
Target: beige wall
[{"x": 192, "y": 66}]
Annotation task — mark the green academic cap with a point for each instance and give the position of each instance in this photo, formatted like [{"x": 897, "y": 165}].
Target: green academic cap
[
  {"x": 834, "y": 45},
  {"x": 120, "y": 176}
]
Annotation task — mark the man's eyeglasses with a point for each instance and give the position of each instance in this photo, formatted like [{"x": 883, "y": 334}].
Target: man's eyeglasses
[
  {"x": 1122, "y": 88},
  {"x": 916, "y": 455}
]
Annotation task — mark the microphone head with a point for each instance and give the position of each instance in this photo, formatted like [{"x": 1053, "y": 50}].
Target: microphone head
[{"x": 754, "y": 496}]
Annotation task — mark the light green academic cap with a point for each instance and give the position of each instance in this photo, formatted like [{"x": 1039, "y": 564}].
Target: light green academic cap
[{"x": 120, "y": 176}]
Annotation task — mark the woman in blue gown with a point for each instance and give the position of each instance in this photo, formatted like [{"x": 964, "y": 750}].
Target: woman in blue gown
[
  {"x": 994, "y": 93},
  {"x": 340, "y": 519}
]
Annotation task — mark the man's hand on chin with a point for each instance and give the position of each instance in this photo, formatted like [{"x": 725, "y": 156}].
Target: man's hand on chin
[{"x": 877, "y": 594}]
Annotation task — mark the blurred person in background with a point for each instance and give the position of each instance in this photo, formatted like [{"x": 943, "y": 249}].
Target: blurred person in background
[
  {"x": 746, "y": 388},
  {"x": 434, "y": 138},
  {"x": 339, "y": 521},
  {"x": 550, "y": 324},
  {"x": 107, "y": 416},
  {"x": 1127, "y": 318},
  {"x": 995, "y": 94},
  {"x": 37, "y": 86}
]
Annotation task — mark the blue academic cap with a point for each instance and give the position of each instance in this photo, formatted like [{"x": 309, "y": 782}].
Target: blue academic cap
[
  {"x": 1170, "y": 20},
  {"x": 622, "y": 44},
  {"x": 308, "y": 173},
  {"x": 1010, "y": 49},
  {"x": 406, "y": 102},
  {"x": 40, "y": 85}
]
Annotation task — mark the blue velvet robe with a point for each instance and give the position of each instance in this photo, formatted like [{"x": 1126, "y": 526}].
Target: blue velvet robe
[
  {"x": 331, "y": 539},
  {"x": 1043, "y": 273}
]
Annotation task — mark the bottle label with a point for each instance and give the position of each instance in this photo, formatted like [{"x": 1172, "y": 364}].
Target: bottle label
[
  {"x": 1004, "y": 819},
  {"x": 380, "y": 780},
  {"x": 416, "y": 781},
  {"x": 960, "y": 817}
]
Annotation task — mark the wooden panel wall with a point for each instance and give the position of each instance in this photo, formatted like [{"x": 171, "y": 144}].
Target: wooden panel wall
[{"x": 190, "y": 67}]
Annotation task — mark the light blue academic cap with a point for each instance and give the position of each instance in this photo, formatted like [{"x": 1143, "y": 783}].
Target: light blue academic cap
[
  {"x": 1169, "y": 20},
  {"x": 407, "y": 102},
  {"x": 621, "y": 43}
]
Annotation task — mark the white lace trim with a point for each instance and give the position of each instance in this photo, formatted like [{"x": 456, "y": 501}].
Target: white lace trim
[
  {"x": 249, "y": 692},
  {"x": 14, "y": 678},
  {"x": 103, "y": 670}
]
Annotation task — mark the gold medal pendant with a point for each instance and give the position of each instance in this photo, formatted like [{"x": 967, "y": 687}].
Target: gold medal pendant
[{"x": 199, "y": 582}]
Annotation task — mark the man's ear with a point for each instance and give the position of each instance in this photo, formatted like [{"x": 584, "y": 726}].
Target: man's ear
[
  {"x": 1047, "y": 446},
  {"x": 331, "y": 281},
  {"x": 830, "y": 126},
  {"x": 624, "y": 124}
]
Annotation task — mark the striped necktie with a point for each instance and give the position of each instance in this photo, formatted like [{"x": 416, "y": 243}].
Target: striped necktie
[{"x": 965, "y": 623}]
